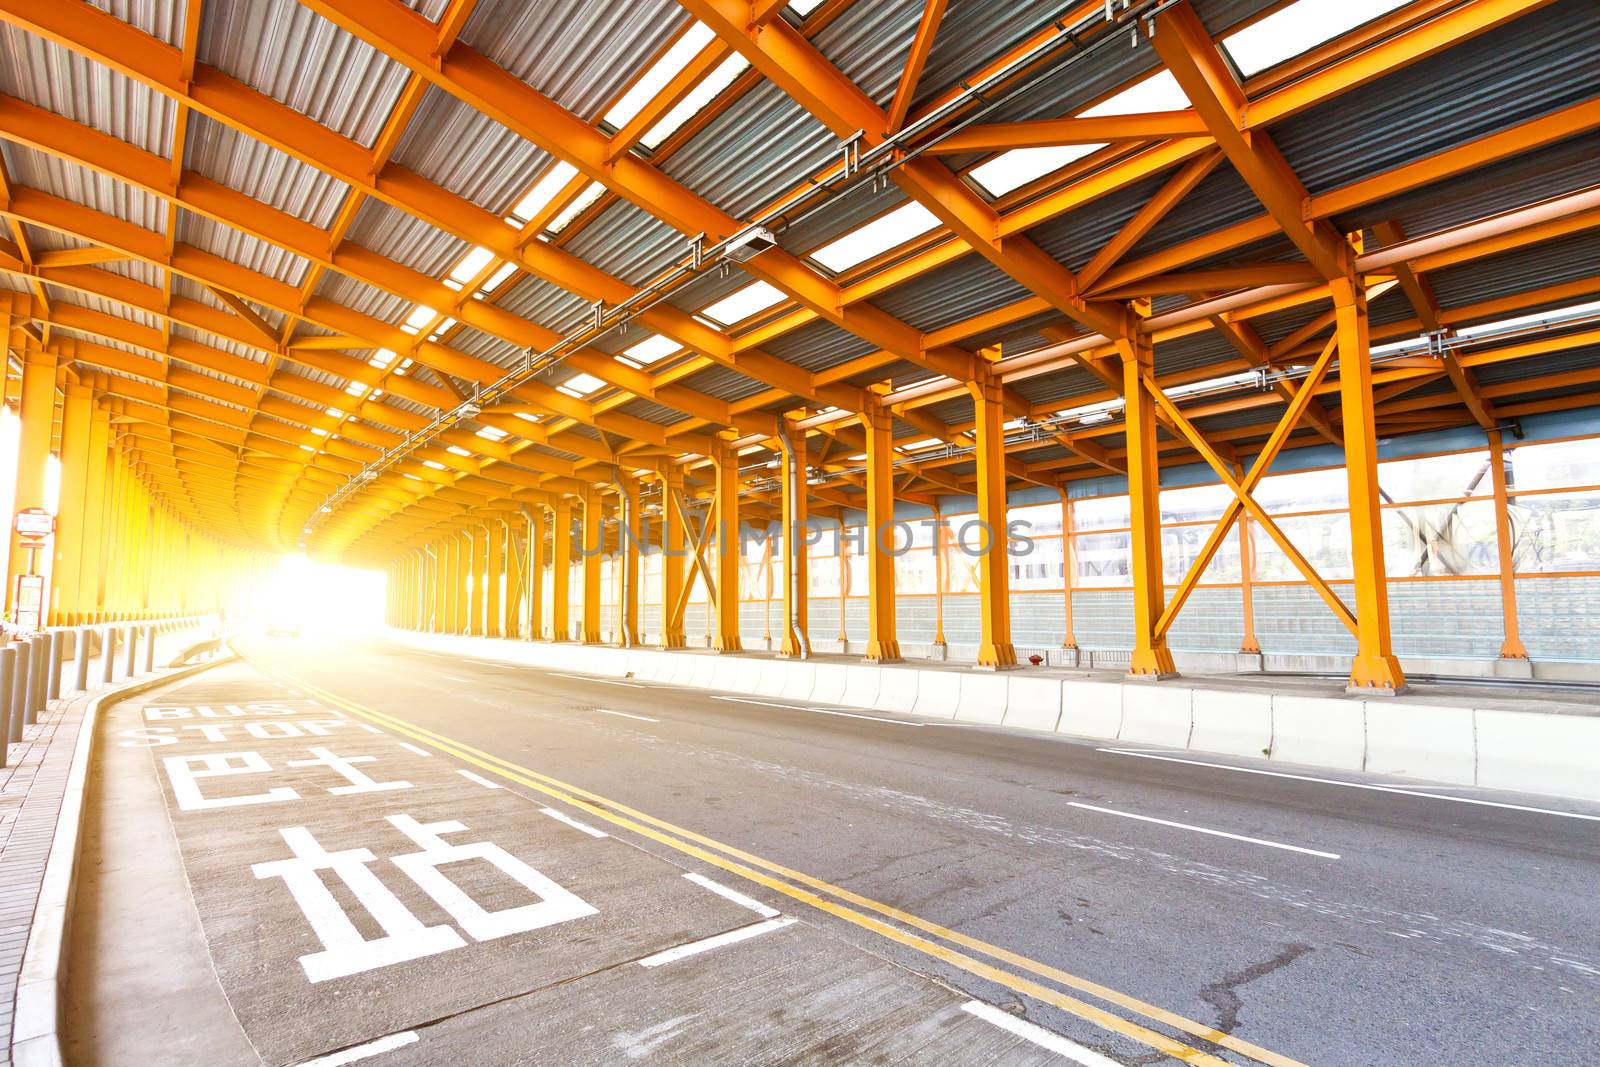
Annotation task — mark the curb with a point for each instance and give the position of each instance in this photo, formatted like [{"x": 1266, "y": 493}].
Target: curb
[{"x": 36, "y": 1020}]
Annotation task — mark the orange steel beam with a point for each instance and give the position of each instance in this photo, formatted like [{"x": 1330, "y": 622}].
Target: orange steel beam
[
  {"x": 1154, "y": 210},
  {"x": 1045, "y": 133},
  {"x": 1189, "y": 53},
  {"x": 916, "y": 58}
]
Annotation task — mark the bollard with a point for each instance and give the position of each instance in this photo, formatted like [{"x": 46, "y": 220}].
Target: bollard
[
  {"x": 80, "y": 658},
  {"x": 19, "y": 692},
  {"x": 38, "y": 667},
  {"x": 58, "y": 654},
  {"x": 132, "y": 651},
  {"x": 108, "y": 654},
  {"x": 8, "y": 666},
  {"x": 150, "y": 648}
]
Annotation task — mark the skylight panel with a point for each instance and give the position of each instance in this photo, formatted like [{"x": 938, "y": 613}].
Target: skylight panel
[
  {"x": 804, "y": 7},
  {"x": 579, "y": 205},
  {"x": 458, "y": 450},
  {"x": 651, "y": 349},
  {"x": 471, "y": 265},
  {"x": 356, "y": 388},
  {"x": 878, "y": 236},
  {"x": 435, "y": 464},
  {"x": 1018, "y": 167},
  {"x": 1299, "y": 28},
  {"x": 926, "y": 442},
  {"x": 527, "y": 416},
  {"x": 544, "y": 190},
  {"x": 420, "y": 316},
  {"x": 1159, "y": 92},
  {"x": 381, "y": 358},
  {"x": 660, "y": 73},
  {"x": 495, "y": 280},
  {"x": 493, "y": 433},
  {"x": 693, "y": 102},
  {"x": 740, "y": 305},
  {"x": 580, "y": 385}
]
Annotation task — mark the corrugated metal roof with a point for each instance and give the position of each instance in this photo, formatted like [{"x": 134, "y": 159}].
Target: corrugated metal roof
[
  {"x": 158, "y": 18},
  {"x": 549, "y": 306},
  {"x": 650, "y": 411},
  {"x": 340, "y": 289},
  {"x": 869, "y": 43},
  {"x": 465, "y": 151},
  {"x": 1585, "y": 358},
  {"x": 723, "y": 383},
  {"x": 1058, "y": 387},
  {"x": 1524, "y": 69},
  {"x": 292, "y": 54},
  {"x": 629, "y": 244},
  {"x": 762, "y": 144},
  {"x": 405, "y": 238},
  {"x": 59, "y": 177},
  {"x": 969, "y": 286},
  {"x": 818, "y": 346},
  {"x": 261, "y": 172},
  {"x": 240, "y": 248},
  {"x": 1075, "y": 237},
  {"x": 1531, "y": 267},
  {"x": 55, "y": 79},
  {"x": 578, "y": 53}
]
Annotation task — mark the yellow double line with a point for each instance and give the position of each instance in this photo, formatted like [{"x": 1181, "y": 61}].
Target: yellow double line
[{"x": 799, "y": 887}]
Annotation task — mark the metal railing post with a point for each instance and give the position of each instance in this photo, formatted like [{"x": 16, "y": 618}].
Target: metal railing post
[
  {"x": 108, "y": 654},
  {"x": 38, "y": 667},
  {"x": 80, "y": 661},
  {"x": 8, "y": 667},
  {"x": 19, "y": 693},
  {"x": 58, "y": 655}
]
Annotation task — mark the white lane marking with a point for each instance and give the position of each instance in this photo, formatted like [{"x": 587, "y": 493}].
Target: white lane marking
[
  {"x": 560, "y": 816},
  {"x": 458, "y": 679},
  {"x": 480, "y": 779},
  {"x": 626, "y": 715},
  {"x": 694, "y": 948},
  {"x": 1037, "y": 1035},
  {"x": 1206, "y": 830},
  {"x": 816, "y": 711},
  {"x": 361, "y": 1052},
  {"x": 1354, "y": 785},
  {"x": 601, "y": 681},
  {"x": 732, "y": 894},
  {"x": 409, "y": 747}
]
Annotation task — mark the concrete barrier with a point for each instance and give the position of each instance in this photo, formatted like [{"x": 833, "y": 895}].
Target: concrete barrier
[
  {"x": 1032, "y": 703},
  {"x": 799, "y": 681},
  {"x": 897, "y": 689},
  {"x": 1156, "y": 713},
  {"x": 1538, "y": 753},
  {"x": 703, "y": 667},
  {"x": 1321, "y": 731},
  {"x": 861, "y": 685},
  {"x": 1231, "y": 722},
  {"x": 829, "y": 684},
  {"x": 1422, "y": 741},
  {"x": 1090, "y": 709},
  {"x": 983, "y": 696},
  {"x": 938, "y": 695}
]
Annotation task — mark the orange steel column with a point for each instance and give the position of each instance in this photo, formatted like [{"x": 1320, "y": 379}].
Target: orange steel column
[
  {"x": 476, "y": 570},
  {"x": 1069, "y": 571},
  {"x": 995, "y": 650},
  {"x": 1375, "y": 668},
  {"x": 1151, "y": 658},
  {"x": 725, "y": 636},
  {"x": 513, "y": 534},
  {"x": 76, "y": 422},
  {"x": 454, "y": 587},
  {"x": 1247, "y": 561},
  {"x": 439, "y": 585},
  {"x": 93, "y": 547},
  {"x": 536, "y": 557},
  {"x": 882, "y": 646},
  {"x": 673, "y": 549},
  {"x": 796, "y": 571},
  {"x": 1512, "y": 647},
  {"x": 494, "y": 575},
  {"x": 939, "y": 583},
  {"x": 594, "y": 542},
  {"x": 561, "y": 570},
  {"x": 630, "y": 540},
  {"x": 33, "y": 448}
]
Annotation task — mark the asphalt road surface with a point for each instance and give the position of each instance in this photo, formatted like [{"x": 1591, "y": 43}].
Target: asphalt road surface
[{"x": 925, "y": 892}]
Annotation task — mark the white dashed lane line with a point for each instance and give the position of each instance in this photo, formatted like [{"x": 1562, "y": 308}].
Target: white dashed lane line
[
  {"x": 560, "y": 816},
  {"x": 626, "y": 715},
  {"x": 732, "y": 937},
  {"x": 480, "y": 779},
  {"x": 1038, "y": 1035},
  {"x": 357, "y": 1053},
  {"x": 1205, "y": 830}
]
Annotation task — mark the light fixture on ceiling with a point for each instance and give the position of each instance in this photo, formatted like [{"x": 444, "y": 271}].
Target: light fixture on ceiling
[{"x": 745, "y": 246}]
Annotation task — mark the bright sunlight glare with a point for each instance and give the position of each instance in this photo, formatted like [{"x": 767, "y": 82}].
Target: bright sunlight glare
[{"x": 306, "y": 597}]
